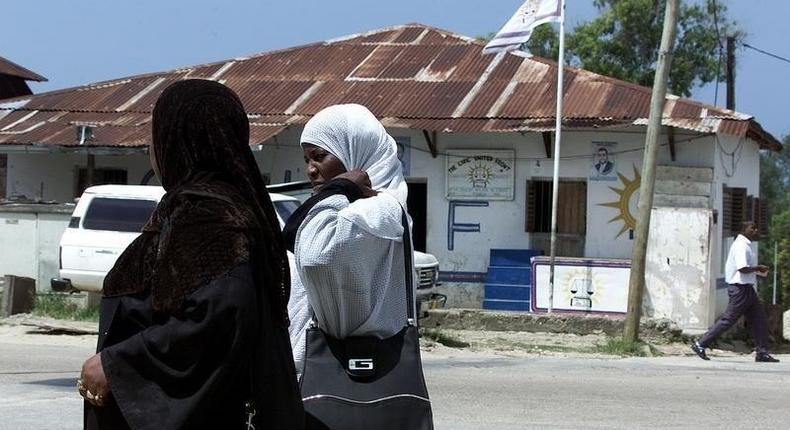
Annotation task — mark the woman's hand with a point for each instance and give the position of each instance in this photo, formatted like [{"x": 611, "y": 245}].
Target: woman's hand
[
  {"x": 361, "y": 179},
  {"x": 92, "y": 384}
]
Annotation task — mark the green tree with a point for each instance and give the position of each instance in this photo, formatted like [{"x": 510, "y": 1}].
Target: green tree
[
  {"x": 544, "y": 42},
  {"x": 622, "y": 42},
  {"x": 780, "y": 233},
  {"x": 774, "y": 187}
]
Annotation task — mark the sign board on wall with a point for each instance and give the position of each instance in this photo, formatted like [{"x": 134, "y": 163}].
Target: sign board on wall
[
  {"x": 481, "y": 174},
  {"x": 581, "y": 285}
]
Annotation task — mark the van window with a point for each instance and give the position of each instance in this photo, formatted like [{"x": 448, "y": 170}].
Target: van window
[
  {"x": 285, "y": 208},
  {"x": 128, "y": 215}
]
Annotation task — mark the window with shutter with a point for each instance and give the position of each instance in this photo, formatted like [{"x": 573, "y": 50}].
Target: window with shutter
[
  {"x": 763, "y": 217},
  {"x": 571, "y": 207},
  {"x": 734, "y": 210},
  {"x": 757, "y": 211},
  {"x": 751, "y": 209},
  {"x": 538, "y": 217}
]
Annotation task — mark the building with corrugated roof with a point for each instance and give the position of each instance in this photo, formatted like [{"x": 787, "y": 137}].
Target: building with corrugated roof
[
  {"x": 475, "y": 133},
  {"x": 13, "y": 79},
  {"x": 13, "y": 83}
]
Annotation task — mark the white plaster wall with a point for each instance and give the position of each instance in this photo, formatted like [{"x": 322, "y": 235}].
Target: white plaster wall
[
  {"x": 50, "y": 228},
  {"x": 602, "y": 233},
  {"x": 282, "y": 153},
  {"x": 677, "y": 272},
  {"x": 736, "y": 164},
  {"x": 18, "y": 244},
  {"x": 29, "y": 245},
  {"x": 502, "y": 222},
  {"x": 58, "y": 173}
]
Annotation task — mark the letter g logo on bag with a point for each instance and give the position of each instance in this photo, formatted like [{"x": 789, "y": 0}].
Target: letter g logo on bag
[{"x": 360, "y": 364}]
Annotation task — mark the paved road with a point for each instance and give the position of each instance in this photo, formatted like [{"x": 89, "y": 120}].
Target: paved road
[
  {"x": 573, "y": 393},
  {"x": 473, "y": 391}
]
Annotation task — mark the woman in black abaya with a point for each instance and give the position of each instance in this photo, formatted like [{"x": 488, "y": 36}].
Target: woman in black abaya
[{"x": 191, "y": 334}]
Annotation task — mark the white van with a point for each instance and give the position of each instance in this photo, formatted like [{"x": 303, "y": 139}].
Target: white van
[{"x": 106, "y": 219}]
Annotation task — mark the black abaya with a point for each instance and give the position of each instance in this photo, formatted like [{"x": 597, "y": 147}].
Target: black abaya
[{"x": 191, "y": 371}]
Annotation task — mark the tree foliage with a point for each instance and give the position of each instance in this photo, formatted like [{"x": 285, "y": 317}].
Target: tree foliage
[
  {"x": 545, "y": 42},
  {"x": 774, "y": 187},
  {"x": 780, "y": 234},
  {"x": 623, "y": 42}
]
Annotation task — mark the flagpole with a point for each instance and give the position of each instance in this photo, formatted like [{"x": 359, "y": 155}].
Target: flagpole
[{"x": 557, "y": 141}]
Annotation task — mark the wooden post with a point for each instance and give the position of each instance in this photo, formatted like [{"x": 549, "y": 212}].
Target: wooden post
[
  {"x": 636, "y": 284},
  {"x": 730, "y": 72}
]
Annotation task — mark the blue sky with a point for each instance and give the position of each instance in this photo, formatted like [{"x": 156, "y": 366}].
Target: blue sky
[{"x": 80, "y": 41}]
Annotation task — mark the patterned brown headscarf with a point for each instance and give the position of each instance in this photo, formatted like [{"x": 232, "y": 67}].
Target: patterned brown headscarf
[{"x": 216, "y": 213}]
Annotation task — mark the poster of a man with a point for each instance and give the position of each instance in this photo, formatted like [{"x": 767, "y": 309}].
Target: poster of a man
[{"x": 603, "y": 162}]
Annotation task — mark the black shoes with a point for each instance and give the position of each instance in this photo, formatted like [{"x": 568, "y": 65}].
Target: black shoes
[
  {"x": 765, "y": 358},
  {"x": 695, "y": 346}
]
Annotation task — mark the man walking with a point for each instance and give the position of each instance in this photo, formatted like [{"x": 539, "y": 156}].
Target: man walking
[{"x": 741, "y": 272}]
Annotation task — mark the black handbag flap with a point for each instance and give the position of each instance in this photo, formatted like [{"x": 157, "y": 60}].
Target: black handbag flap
[
  {"x": 396, "y": 365},
  {"x": 360, "y": 359}
]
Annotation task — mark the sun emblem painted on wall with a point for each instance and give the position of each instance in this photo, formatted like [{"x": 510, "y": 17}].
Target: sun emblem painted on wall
[
  {"x": 479, "y": 175},
  {"x": 623, "y": 204}
]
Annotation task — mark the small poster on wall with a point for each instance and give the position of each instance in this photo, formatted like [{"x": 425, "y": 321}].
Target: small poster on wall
[
  {"x": 481, "y": 174},
  {"x": 604, "y": 164}
]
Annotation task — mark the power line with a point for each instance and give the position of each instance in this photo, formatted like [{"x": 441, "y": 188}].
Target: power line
[{"x": 778, "y": 57}]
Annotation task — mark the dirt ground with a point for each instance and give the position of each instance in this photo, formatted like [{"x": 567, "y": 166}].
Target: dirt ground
[
  {"x": 26, "y": 329},
  {"x": 510, "y": 343}
]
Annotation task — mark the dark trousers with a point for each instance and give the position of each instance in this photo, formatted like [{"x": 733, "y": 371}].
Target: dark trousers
[{"x": 743, "y": 301}]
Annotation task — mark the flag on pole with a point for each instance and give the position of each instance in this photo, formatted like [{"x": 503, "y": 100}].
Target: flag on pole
[{"x": 519, "y": 27}]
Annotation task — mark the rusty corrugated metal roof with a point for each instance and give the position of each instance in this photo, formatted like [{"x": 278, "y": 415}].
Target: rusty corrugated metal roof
[
  {"x": 412, "y": 76},
  {"x": 12, "y": 69}
]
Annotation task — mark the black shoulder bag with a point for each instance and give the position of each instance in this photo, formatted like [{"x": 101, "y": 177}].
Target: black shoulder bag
[{"x": 363, "y": 382}]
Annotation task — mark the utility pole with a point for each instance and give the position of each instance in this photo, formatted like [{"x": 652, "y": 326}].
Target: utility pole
[
  {"x": 636, "y": 284},
  {"x": 730, "y": 72}
]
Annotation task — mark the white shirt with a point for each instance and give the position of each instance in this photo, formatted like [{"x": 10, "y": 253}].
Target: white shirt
[
  {"x": 300, "y": 314},
  {"x": 354, "y": 280},
  {"x": 741, "y": 255}
]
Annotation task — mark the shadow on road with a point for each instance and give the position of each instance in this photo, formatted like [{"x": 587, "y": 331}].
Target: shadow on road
[{"x": 57, "y": 382}]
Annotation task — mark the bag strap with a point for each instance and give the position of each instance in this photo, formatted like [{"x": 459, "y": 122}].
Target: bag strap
[{"x": 407, "y": 258}]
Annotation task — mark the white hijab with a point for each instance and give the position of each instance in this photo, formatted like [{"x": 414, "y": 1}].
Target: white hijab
[{"x": 351, "y": 133}]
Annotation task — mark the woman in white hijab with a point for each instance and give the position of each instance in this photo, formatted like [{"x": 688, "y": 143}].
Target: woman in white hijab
[{"x": 347, "y": 238}]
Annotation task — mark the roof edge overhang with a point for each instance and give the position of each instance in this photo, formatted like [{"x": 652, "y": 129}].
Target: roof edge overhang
[{"x": 54, "y": 148}]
